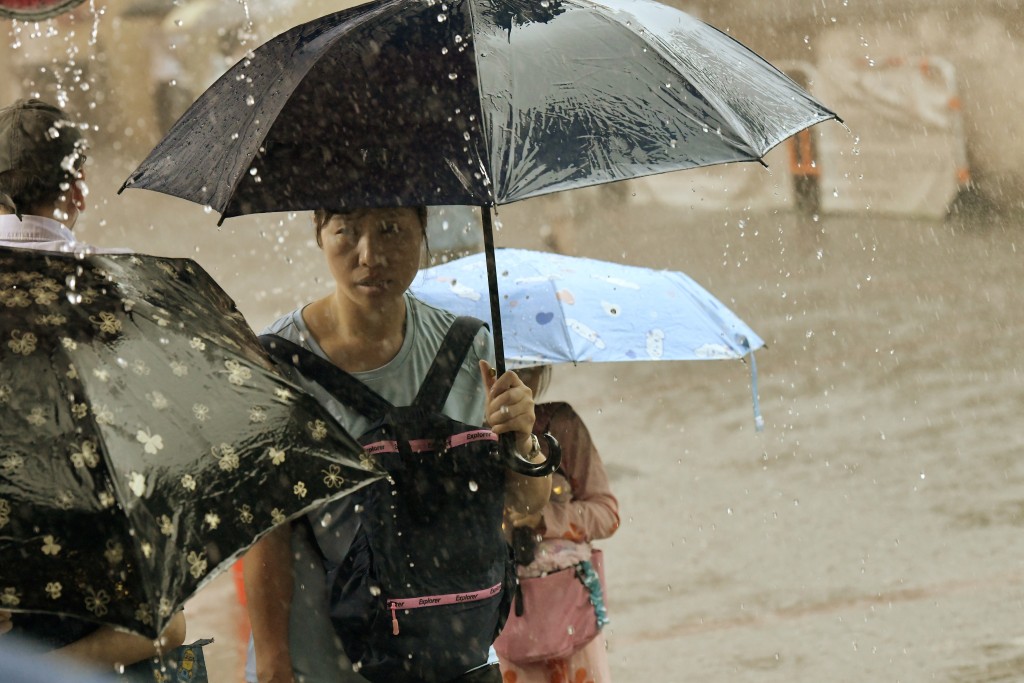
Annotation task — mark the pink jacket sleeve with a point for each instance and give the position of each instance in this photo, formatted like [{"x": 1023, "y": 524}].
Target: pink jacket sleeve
[{"x": 591, "y": 512}]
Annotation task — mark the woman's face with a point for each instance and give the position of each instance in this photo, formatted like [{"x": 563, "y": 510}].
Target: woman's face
[{"x": 373, "y": 254}]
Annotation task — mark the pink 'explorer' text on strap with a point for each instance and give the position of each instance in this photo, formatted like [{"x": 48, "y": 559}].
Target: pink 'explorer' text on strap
[
  {"x": 450, "y": 599},
  {"x": 436, "y": 600},
  {"x": 421, "y": 445}
]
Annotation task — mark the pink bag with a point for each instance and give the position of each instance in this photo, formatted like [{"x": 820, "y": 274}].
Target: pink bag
[{"x": 558, "y": 617}]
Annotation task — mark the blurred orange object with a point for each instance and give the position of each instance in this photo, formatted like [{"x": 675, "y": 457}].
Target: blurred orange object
[{"x": 238, "y": 573}]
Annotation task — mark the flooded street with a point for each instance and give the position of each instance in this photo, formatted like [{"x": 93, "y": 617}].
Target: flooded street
[{"x": 870, "y": 532}]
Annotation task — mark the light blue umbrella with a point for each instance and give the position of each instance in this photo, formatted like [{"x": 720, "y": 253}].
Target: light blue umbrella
[{"x": 563, "y": 309}]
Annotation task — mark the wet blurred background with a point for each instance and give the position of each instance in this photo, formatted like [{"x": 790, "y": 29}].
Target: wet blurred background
[
  {"x": 871, "y": 532},
  {"x": 919, "y": 82}
]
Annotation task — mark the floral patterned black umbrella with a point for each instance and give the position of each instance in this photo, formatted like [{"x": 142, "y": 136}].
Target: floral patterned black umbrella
[{"x": 146, "y": 439}]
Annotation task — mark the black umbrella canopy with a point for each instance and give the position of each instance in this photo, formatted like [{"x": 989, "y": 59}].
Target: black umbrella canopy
[
  {"x": 148, "y": 440},
  {"x": 474, "y": 102},
  {"x": 480, "y": 102}
]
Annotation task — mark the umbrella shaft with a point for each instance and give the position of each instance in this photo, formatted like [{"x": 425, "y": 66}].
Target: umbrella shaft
[{"x": 492, "y": 288}]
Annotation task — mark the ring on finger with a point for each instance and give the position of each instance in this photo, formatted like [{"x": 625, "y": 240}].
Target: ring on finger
[{"x": 504, "y": 411}]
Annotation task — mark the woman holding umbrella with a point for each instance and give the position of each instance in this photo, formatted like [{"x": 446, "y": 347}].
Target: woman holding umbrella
[{"x": 372, "y": 328}]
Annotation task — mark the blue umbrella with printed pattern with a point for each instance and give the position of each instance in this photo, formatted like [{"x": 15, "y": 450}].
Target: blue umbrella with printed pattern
[{"x": 565, "y": 309}]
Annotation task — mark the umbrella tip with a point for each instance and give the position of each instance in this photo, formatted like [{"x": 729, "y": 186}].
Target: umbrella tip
[{"x": 130, "y": 180}]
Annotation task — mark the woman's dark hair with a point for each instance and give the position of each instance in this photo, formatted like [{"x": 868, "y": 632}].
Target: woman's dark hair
[
  {"x": 322, "y": 216},
  {"x": 28, "y": 191}
]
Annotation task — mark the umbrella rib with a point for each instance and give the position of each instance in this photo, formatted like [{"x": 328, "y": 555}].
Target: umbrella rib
[
  {"x": 119, "y": 491},
  {"x": 396, "y": 5},
  {"x": 659, "y": 48},
  {"x": 312, "y": 506},
  {"x": 487, "y": 171},
  {"x": 769, "y": 143},
  {"x": 565, "y": 328}
]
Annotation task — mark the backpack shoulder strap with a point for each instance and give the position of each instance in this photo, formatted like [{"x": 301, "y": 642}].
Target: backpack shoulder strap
[
  {"x": 347, "y": 389},
  {"x": 442, "y": 373}
]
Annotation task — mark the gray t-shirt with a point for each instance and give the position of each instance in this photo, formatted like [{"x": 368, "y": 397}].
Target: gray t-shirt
[{"x": 317, "y": 656}]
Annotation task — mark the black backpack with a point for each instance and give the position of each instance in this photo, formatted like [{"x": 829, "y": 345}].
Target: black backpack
[{"x": 428, "y": 581}]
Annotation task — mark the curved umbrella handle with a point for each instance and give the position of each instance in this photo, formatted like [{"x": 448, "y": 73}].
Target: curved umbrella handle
[
  {"x": 506, "y": 443},
  {"x": 519, "y": 465}
]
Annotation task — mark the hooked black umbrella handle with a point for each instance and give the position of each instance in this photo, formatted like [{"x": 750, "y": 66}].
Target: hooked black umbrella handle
[
  {"x": 521, "y": 465},
  {"x": 507, "y": 443}
]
